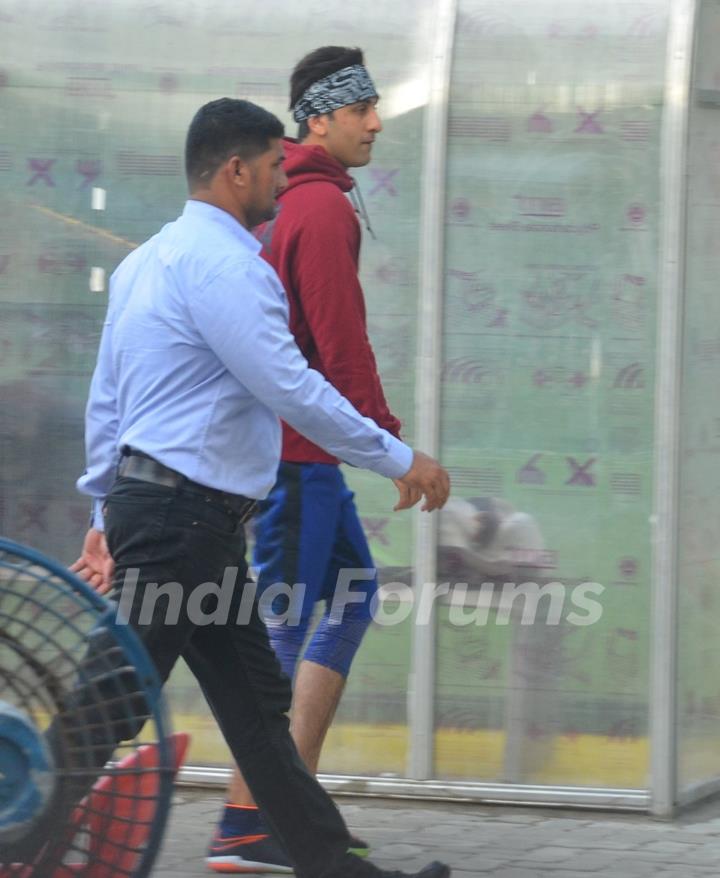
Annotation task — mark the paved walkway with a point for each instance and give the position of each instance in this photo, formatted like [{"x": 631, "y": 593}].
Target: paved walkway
[{"x": 479, "y": 840}]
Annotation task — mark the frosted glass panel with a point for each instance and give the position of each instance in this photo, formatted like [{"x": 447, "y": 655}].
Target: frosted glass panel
[
  {"x": 699, "y": 556},
  {"x": 548, "y": 388},
  {"x": 99, "y": 96}
]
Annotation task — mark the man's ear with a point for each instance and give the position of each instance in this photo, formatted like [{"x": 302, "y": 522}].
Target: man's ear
[
  {"x": 237, "y": 170},
  {"x": 318, "y": 125}
]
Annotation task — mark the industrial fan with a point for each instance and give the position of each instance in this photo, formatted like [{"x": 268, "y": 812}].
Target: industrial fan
[{"x": 86, "y": 759}]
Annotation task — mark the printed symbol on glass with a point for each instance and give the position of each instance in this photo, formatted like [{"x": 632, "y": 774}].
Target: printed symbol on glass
[
  {"x": 168, "y": 83},
  {"x": 631, "y": 377},
  {"x": 89, "y": 170},
  {"x": 628, "y": 567},
  {"x": 540, "y": 206},
  {"x": 464, "y": 370},
  {"x": 531, "y": 474},
  {"x": 60, "y": 263},
  {"x": 556, "y": 298},
  {"x": 460, "y": 209},
  {"x": 636, "y": 214},
  {"x": 384, "y": 181},
  {"x": 588, "y": 123},
  {"x": 581, "y": 475},
  {"x": 90, "y": 87},
  {"x": 375, "y": 529},
  {"x": 635, "y": 130},
  {"x": 540, "y": 123},
  {"x": 394, "y": 272},
  {"x": 41, "y": 171},
  {"x": 629, "y": 302},
  {"x": 476, "y": 296},
  {"x": 628, "y": 484}
]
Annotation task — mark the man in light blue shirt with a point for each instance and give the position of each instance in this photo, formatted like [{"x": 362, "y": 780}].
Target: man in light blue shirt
[
  {"x": 196, "y": 364},
  {"x": 195, "y": 368}
]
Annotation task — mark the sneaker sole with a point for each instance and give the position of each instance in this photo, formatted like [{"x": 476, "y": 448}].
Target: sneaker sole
[{"x": 239, "y": 866}]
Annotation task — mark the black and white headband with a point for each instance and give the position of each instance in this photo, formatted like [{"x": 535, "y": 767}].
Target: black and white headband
[{"x": 346, "y": 86}]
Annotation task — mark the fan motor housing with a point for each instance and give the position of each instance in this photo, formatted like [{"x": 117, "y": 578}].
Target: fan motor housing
[{"x": 27, "y": 773}]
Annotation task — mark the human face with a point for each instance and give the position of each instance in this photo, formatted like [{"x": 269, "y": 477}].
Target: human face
[
  {"x": 351, "y": 131},
  {"x": 267, "y": 180}
]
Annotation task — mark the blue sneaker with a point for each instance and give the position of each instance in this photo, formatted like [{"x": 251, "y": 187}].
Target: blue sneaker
[
  {"x": 248, "y": 853},
  {"x": 260, "y": 854}
]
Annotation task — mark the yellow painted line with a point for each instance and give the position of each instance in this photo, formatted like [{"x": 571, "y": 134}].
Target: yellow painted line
[
  {"x": 464, "y": 754},
  {"x": 460, "y": 754},
  {"x": 93, "y": 230}
]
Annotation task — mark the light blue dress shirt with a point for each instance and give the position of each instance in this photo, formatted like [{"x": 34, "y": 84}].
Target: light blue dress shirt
[{"x": 196, "y": 364}]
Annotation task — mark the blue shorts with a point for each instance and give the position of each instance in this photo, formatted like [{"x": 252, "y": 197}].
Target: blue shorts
[{"x": 307, "y": 531}]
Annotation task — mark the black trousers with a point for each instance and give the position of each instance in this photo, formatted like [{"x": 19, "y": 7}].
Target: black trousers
[{"x": 180, "y": 535}]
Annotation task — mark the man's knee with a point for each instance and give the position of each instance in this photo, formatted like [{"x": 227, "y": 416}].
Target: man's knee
[
  {"x": 287, "y": 641},
  {"x": 335, "y": 646}
]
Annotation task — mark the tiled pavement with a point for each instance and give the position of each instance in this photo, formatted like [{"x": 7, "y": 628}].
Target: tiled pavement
[{"x": 478, "y": 840}]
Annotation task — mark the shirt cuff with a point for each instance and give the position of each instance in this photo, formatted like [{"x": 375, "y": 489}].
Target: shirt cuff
[
  {"x": 398, "y": 460},
  {"x": 97, "y": 519}
]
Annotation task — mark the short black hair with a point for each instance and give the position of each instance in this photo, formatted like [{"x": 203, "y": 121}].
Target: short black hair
[
  {"x": 317, "y": 65},
  {"x": 224, "y": 128}
]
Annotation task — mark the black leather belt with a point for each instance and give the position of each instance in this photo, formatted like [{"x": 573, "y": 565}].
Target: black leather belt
[{"x": 136, "y": 465}]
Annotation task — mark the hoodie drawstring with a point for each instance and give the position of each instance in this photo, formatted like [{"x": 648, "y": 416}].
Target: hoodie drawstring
[{"x": 359, "y": 205}]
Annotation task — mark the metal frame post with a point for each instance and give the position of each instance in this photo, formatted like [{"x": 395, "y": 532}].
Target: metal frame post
[
  {"x": 421, "y": 689},
  {"x": 663, "y": 685}
]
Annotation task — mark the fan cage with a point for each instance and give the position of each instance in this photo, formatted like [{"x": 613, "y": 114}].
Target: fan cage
[{"x": 84, "y": 681}]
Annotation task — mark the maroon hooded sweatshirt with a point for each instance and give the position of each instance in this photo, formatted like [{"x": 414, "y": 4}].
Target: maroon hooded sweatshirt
[{"x": 314, "y": 246}]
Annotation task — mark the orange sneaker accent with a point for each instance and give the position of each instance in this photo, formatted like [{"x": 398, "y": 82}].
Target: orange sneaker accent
[
  {"x": 221, "y": 844},
  {"x": 228, "y": 868}
]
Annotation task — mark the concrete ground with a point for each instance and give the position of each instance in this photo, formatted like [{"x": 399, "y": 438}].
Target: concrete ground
[{"x": 478, "y": 840}]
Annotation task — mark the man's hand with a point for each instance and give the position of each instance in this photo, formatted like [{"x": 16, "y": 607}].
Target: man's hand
[
  {"x": 424, "y": 478},
  {"x": 95, "y": 565}
]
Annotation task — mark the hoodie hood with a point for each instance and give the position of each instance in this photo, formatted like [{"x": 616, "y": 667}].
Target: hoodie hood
[{"x": 312, "y": 164}]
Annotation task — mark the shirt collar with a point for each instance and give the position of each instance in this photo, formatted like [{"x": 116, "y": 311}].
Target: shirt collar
[{"x": 204, "y": 210}]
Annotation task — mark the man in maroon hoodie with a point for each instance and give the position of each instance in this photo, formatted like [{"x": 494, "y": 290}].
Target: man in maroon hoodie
[{"x": 308, "y": 530}]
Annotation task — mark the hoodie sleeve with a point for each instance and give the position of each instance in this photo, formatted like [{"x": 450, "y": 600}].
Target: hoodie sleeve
[{"x": 325, "y": 275}]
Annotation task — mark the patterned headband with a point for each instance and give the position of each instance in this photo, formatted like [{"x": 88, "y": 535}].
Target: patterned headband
[{"x": 346, "y": 86}]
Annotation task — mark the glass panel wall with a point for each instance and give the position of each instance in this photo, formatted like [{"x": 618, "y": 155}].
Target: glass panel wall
[
  {"x": 548, "y": 391},
  {"x": 99, "y": 97},
  {"x": 548, "y": 347},
  {"x": 699, "y": 554},
  {"x": 51, "y": 154}
]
